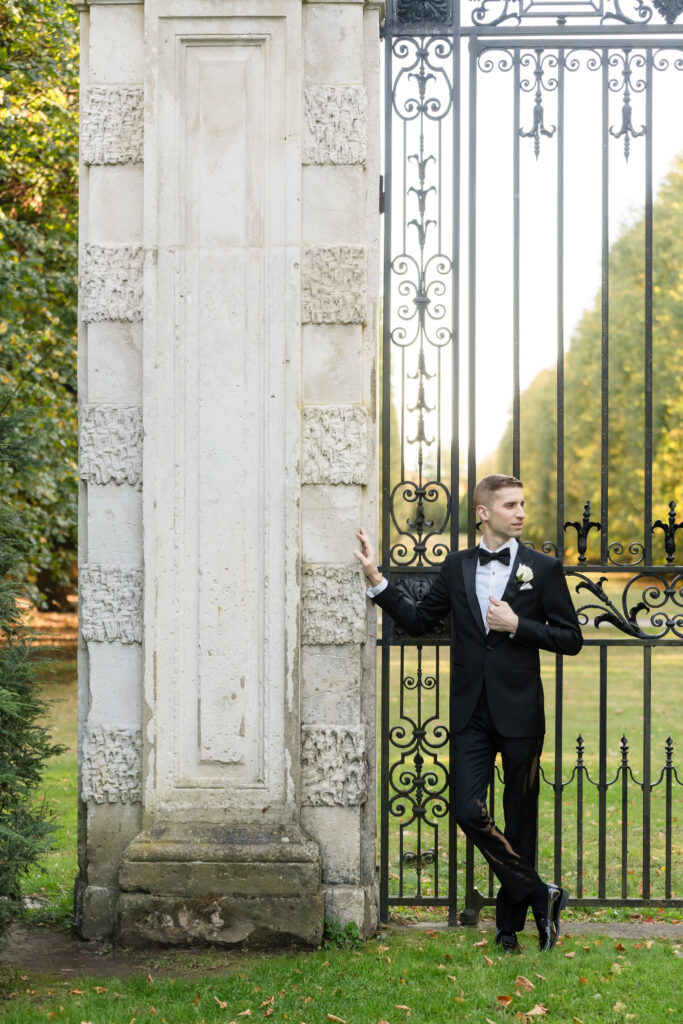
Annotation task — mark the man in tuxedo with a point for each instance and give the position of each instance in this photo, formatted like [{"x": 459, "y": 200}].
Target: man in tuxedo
[{"x": 506, "y": 603}]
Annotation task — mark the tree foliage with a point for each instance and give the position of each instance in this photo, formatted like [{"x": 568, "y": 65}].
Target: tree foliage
[
  {"x": 583, "y": 414},
  {"x": 25, "y": 829},
  {"x": 38, "y": 273}
]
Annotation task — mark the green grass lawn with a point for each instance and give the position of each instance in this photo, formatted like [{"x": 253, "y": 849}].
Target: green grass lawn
[
  {"x": 424, "y": 978},
  {"x": 49, "y": 887}
]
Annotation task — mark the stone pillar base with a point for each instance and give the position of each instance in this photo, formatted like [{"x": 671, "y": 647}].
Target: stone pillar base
[
  {"x": 188, "y": 885},
  {"x": 94, "y": 910},
  {"x": 353, "y": 904}
]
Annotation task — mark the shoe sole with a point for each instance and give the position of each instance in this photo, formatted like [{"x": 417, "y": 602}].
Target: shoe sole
[{"x": 561, "y": 905}]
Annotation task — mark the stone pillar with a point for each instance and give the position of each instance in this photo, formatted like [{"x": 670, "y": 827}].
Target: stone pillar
[
  {"x": 110, "y": 412},
  {"x": 228, "y": 776},
  {"x": 340, "y": 315}
]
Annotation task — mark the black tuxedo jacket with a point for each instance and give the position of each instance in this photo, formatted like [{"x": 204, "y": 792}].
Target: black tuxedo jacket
[{"x": 509, "y": 667}]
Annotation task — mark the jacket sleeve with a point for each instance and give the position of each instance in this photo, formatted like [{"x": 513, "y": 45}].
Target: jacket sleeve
[
  {"x": 417, "y": 617},
  {"x": 560, "y": 632}
]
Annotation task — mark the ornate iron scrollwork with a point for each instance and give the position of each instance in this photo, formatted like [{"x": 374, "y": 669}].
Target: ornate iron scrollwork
[
  {"x": 540, "y": 60},
  {"x": 582, "y": 530},
  {"x": 670, "y": 529},
  {"x": 647, "y": 618}
]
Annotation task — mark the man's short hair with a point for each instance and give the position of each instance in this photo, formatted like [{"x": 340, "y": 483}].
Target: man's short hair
[{"x": 488, "y": 485}]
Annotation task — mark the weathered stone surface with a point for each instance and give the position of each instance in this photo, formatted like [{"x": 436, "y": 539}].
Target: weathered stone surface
[
  {"x": 178, "y": 878},
  {"x": 111, "y": 765},
  {"x": 111, "y": 444},
  {"x": 336, "y": 124},
  {"x": 112, "y": 126},
  {"x": 199, "y": 842},
  {"x": 337, "y": 830},
  {"x": 332, "y": 363},
  {"x": 334, "y": 766},
  {"x": 111, "y": 283},
  {"x": 335, "y": 445},
  {"x": 94, "y": 909},
  {"x": 333, "y": 605},
  {"x": 334, "y": 284},
  {"x": 350, "y": 903},
  {"x": 111, "y": 603},
  {"x": 251, "y": 922}
]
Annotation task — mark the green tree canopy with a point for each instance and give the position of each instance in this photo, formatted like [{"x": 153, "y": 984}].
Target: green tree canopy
[{"x": 38, "y": 268}]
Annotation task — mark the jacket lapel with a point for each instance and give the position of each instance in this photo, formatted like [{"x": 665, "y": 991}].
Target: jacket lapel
[
  {"x": 511, "y": 587},
  {"x": 469, "y": 568}
]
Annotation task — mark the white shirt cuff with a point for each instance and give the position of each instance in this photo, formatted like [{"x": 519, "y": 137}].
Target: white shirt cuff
[{"x": 375, "y": 591}]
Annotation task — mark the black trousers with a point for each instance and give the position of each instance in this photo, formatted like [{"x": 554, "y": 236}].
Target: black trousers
[{"x": 510, "y": 853}]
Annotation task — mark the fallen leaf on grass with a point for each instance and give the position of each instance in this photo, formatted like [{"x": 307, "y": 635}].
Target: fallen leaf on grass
[
  {"x": 244, "y": 1013},
  {"x": 488, "y": 959},
  {"x": 619, "y": 1007},
  {"x": 269, "y": 1001},
  {"x": 504, "y": 1000},
  {"x": 620, "y": 947},
  {"x": 451, "y": 977},
  {"x": 541, "y": 976},
  {"x": 383, "y": 949},
  {"x": 220, "y": 1002},
  {"x": 583, "y": 981},
  {"x": 524, "y": 983},
  {"x": 649, "y": 944},
  {"x": 577, "y": 1020},
  {"x": 150, "y": 979},
  {"x": 484, "y": 942},
  {"x": 431, "y": 931},
  {"x": 400, "y": 1006},
  {"x": 331, "y": 1016},
  {"x": 269, "y": 1012},
  {"x": 539, "y": 1010},
  {"x": 570, "y": 956},
  {"x": 76, "y": 991},
  {"x": 99, "y": 989}
]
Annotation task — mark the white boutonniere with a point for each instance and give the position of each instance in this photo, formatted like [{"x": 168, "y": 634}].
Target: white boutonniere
[{"x": 524, "y": 576}]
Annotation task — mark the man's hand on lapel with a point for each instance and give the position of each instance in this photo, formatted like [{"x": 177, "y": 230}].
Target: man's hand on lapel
[{"x": 501, "y": 617}]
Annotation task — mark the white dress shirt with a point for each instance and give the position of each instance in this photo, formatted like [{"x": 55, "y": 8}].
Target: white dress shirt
[{"x": 490, "y": 580}]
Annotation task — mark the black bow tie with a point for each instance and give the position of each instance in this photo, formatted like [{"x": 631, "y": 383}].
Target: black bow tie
[{"x": 494, "y": 556}]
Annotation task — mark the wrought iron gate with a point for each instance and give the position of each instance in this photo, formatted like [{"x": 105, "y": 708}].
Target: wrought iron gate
[{"x": 517, "y": 134}]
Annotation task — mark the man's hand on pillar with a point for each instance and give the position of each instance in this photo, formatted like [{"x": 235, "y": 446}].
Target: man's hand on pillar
[{"x": 367, "y": 558}]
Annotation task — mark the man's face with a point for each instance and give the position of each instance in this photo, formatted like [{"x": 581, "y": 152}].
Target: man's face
[{"x": 505, "y": 514}]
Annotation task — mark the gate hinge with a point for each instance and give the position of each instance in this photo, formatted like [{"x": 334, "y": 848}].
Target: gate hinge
[{"x": 381, "y": 193}]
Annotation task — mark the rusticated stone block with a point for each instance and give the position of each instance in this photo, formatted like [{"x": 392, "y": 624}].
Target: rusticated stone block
[
  {"x": 333, "y": 605},
  {"x": 111, "y": 283},
  {"x": 111, "y": 765},
  {"x": 112, "y": 130},
  {"x": 334, "y": 284},
  {"x": 334, "y": 766},
  {"x": 335, "y": 445},
  {"x": 335, "y": 124},
  {"x": 111, "y": 603},
  {"x": 111, "y": 444},
  {"x": 252, "y": 922}
]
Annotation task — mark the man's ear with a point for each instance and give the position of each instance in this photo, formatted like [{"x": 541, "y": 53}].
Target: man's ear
[{"x": 482, "y": 512}]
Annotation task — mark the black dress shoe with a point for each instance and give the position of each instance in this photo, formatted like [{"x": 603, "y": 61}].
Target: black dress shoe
[
  {"x": 508, "y": 940},
  {"x": 548, "y": 920}
]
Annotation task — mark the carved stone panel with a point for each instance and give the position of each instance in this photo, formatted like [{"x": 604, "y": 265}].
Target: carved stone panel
[
  {"x": 111, "y": 444},
  {"x": 334, "y": 766},
  {"x": 111, "y": 603},
  {"x": 333, "y": 605},
  {"x": 111, "y": 283},
  {"x": 335, "y": 124},
  {"x": 111, "y": 765},
  {"x": 334, "y": 284},
  {"x": 112, "y": 130},
  {"x": 335, "y": 447}
]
